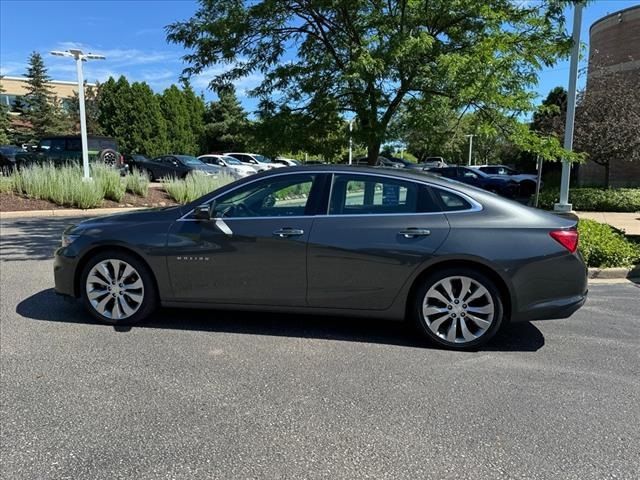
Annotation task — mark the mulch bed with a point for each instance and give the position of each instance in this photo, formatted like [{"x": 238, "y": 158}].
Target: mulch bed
[{"x": 157, "y": 197}]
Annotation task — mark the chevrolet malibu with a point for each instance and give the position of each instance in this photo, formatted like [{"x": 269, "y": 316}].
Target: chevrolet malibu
[{"x": 458, "y": 261}]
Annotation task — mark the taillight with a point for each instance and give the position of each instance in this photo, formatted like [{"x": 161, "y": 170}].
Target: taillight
[{"x": 567, "y": 238}]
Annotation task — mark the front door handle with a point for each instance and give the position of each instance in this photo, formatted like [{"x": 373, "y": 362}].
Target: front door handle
[
  {"x": 288, "y": 232},
  {"x": 414, "y": 232}
]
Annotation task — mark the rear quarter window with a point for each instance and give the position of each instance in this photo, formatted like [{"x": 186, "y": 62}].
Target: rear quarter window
[{"x": 451, "y": 202}]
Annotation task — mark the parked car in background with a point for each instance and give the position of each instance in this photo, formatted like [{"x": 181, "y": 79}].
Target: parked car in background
[
  {"x": 382, "y": 162},
  {"x": 500, "y": 185},
  {"x": 432, "y": 162},
  {"x": 287, "y": 162},
  {"x": 68, "y": 148},
  {"x": 8, "y": 154},
  {"x": 526, "y": 181},
  {"x": 230, "y": 165},
  {"x": 259, "y": 162},
  {"x": 336, "y": 240},
  {"x": 173, "y": 166}
]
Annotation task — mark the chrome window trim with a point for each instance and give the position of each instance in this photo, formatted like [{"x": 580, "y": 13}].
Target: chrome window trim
[{"x": 475, "y": 206}]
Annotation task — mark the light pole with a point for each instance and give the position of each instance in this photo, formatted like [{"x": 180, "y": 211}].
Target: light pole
[
  {"x": 564, "y": 205},
  {"x": 350, "y": 142},
  {"x": 470, "y": 137},
  {"x": 81, "y": 57}
]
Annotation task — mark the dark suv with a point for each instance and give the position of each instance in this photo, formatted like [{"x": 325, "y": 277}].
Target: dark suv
[{"x": 68, "y": 148}]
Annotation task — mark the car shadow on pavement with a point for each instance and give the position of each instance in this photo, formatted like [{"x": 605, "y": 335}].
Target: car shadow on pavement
[
  {"x": 48, "y": 306},
  {"x": 31, "y": 239}
]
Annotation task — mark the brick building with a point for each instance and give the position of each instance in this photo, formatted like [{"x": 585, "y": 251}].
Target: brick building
[{"x": 614, "y": 46}]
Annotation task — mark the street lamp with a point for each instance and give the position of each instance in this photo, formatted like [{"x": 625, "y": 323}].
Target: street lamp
[
  {"x": 81, "y": 57},
  {"x": 563, "y": 205},
  {"x": 470, "y": 137}
]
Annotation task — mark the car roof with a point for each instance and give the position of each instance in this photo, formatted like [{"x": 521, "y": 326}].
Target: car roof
[{"x": 409, "y": 174}]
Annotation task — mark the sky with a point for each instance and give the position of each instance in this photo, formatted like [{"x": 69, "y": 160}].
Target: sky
[{"x": 130, "y": 33}]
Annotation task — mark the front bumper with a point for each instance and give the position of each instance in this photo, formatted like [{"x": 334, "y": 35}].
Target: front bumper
[{"x": 64, "y": 269}]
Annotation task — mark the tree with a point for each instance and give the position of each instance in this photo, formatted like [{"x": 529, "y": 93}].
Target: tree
[
  {"x": 5, "y": 122},
  {"x": 226, "y": 125},
  {"x": 180, "y": 138},
  {"x": 115, "y": 112},
  {"x": 43, "y": 111},
  {"x": 550, "y": 117},
  {"x": 367, "y": 57},
  {"x": 91, "y": 107},
  {"x": 608, "y": 118},
  {"x": 148, "y": 133},
  {"x": 196, "y": 110}
]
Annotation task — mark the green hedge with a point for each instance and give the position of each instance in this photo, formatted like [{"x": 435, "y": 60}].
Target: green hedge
[
  {"x": 595, "y": 199},
  {"x": 604, "y": 246}
]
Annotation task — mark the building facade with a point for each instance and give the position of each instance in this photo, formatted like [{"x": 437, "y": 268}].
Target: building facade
[
  {"x": 614, "y": 47},
  {"x": 15, "y": 88}
]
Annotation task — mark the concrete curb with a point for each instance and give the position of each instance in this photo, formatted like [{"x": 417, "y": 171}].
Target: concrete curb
[
  {"x": 67, "y": 212},
  {"x": 611, "y": 273}
]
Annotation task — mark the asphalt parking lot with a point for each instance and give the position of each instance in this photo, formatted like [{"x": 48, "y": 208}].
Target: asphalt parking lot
[{"x": 207, "y": 394}]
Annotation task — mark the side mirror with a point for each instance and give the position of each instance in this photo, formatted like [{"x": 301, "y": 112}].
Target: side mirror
[{"x": 202, "y": 212}]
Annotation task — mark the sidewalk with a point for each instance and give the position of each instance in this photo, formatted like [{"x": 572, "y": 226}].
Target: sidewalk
[{"x": 629, "y": 222}]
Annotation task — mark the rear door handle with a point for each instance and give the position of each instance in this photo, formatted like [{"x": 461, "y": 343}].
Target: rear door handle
[
  {"x": 414, "y": 232},
  {"x": 288, "y": 232}
]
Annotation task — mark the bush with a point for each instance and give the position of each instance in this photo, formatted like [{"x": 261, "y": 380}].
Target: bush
[
  {"x": 109, "y": 180},
  {"x": 62, "y": 185},
  {"x": 6, "y": 184},
  {"x": 194, "y": 186},
  {"x": 595, "y": 199},
  {"x": 604, "y": 246},
  {"x": 137, "y": 183}
]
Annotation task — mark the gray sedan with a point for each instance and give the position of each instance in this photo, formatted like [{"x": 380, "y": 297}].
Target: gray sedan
[{"x": 458, "y": 261}]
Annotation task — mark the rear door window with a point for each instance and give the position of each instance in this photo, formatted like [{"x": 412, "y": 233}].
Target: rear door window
[
  {"x": 370, "y": 195},
  {"x": 450, "y": 201}
]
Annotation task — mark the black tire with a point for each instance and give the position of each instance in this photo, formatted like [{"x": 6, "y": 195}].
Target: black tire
[
  {"x": 150, "y": 295},
  {"x": 109, "y": 156},
  {"x": 151, "y": 176},
  {"x": 418, "y": 316}
]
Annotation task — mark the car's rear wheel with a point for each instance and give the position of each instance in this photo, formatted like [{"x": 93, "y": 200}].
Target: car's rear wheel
[
  {"x": 118, "y": 288},
  {"x": 150, "y": 175},
  {"x": 458, "y": 308}
]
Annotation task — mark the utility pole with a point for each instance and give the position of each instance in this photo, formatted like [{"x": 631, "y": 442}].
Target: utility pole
[
  {"x": 564, "y": 205},
  {"x": 350, "y": 142},
  {"x": 470, "y": 137},
  {"x": 79, "y": 58}
]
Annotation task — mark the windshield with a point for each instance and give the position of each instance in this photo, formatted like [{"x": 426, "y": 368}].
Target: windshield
[
  {"x": 262, "y": 159},
  {"x": 230, "y": 160},
  {"x": 189, "y": 160}
]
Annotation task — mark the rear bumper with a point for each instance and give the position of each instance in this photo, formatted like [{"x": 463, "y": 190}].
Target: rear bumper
[{"x": 553, "y": 309}]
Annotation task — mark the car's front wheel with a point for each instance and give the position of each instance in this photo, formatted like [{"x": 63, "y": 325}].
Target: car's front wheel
[
  {"x": 118, "y": 288},
  {"x": 458, "y": 308}
]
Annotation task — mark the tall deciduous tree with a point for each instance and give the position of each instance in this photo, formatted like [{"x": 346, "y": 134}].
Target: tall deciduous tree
[
  {"x": 550, "y": 117},
  {"x": 226, "y": 125},
  {"x": 367, "y": 57},
  {"x": 43, "y": 112},
  {"x": 608, "y": 118}
]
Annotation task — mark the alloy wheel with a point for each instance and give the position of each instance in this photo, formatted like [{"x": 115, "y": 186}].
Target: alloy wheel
[
  {"x": 458, "y": 309},
  {"x": 115, "y": 289}
]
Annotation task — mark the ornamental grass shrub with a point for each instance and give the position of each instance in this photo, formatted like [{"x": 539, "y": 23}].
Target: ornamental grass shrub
[
  {"x": 61, "y": 185},
  {"x": 194, "y": 186},
  {"x": 137, "y": 182},
  {"x": 604, "y": 246}
]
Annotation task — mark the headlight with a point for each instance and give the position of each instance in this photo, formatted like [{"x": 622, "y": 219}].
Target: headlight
[{"x": 69, "y": 239}]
